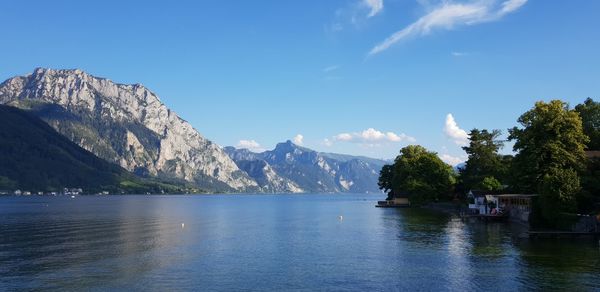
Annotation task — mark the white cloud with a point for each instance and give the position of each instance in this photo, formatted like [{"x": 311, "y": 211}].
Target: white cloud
[
  {"x": 371, "y": 136},
  {"x": 449, "y": 15},
  {"x": 452, "y": 160},
  {"x": 343, "y": 137},
  {"x": 298, "y": 139},
  {"x": 250, "y": 145},
  {"x": 454, "y": 132},
  {"x": 510, "y": 6},
  {"x": 376, "y": 6}
]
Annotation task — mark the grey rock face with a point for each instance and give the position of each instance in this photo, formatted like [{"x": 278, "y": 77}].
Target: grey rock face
[
  {"x": 126, "y": 124},
  {"x": 312, "y": 171}
]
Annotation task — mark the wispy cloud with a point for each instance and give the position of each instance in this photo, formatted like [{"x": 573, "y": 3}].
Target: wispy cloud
[
  {"x": 510, "y": 6},
  {"x": 330, "y": 68},
  {"x": 449, "y": 15},
  {"x": 370, "y": 136},
  {"x": 376, "y": 6},
  {"x": 454, "y": 132},
  {"x": 251, "y": 145},
  {"x": 354, "y": 14},
  {"x": 459, "y": 54},
  {"x": 298, "y": 139}
]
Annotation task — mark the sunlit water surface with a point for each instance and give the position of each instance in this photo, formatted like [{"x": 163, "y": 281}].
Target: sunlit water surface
[{"x": 272, "y": 242}]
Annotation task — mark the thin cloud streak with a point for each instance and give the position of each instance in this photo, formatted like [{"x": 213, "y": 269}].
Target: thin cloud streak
[
  {"x": 450, "y": 15},
  {"x": 330, "y": 68}
]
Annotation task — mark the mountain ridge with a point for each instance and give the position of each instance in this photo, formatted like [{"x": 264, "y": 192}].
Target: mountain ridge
[
  {"x": 125, "y": 124},
  {"x": 128, "y": 124},
  {"x": 35, "y": 157},
  {"x": 314, "y": 171}
]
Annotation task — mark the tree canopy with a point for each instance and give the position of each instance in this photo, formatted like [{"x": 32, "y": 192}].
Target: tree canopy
[
  {"x": 484, "y": 168},
  {"x": 418, "y": 172},
  {"x": 551, "y": 155},
  {"x": 589, "y": 111}
]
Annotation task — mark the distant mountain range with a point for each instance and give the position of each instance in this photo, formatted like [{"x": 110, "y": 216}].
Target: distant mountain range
[
  {"x": 128, "y": 125},
  {"x": 292, "y": 168}
]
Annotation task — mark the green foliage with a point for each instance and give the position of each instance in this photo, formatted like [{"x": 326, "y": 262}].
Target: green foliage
[
  {"x": 386, "y": 175},
  {"x": 420, "y": 173},
  {"x": 589, "y": 199},
  {"x": 34, "y": 157},
  {"x": 7, "y": 184},
  {"x": 590, "y": 116},
  {"x": 559, "y": 188},
  {"x": 490, "y": 183},
  {"x": 551, "y": 138},
  {"x": 484, "y": 160},
  {"x": 550, "y": 156}
]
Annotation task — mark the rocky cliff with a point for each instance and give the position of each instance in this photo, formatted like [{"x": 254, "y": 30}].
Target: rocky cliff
[
  {"x": 126, "y": 124},
  {"x": 312, "y": 171}
]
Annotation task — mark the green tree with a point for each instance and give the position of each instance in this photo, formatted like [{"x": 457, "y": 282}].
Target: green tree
[
  {"x": 386, "y": 175},
  {"x": 559, "y": 188},
  {"x": 550, "y": 148},
  {"x": 484, "y": 160},
  {"x": 589, "y": 200},
  {"x": 590, "y": 116},
  {"x": 490, "y": 183},
  {"x": 420, "y": 173},
  {"x": 590, "y": 179}
]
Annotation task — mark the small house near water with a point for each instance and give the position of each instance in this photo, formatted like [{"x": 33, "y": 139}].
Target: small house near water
[
  {"x": 398, "y": 200},
  {"x": 516, "y": 207}
]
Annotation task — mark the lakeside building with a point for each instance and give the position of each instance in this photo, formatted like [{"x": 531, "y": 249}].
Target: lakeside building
[
  {"x": 399, "y": 200},
  {"x": 517, "y": 207},
  {"x": 73, "y": 191}
]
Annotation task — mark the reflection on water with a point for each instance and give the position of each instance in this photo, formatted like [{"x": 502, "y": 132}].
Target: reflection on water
[{"x": 272, "y": 242}]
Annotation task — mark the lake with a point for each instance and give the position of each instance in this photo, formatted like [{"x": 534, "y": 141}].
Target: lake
[{"x": 272, "y": 242}]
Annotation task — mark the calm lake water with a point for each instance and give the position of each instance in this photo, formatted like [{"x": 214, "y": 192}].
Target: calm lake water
[{"x": 264, "y": 242}]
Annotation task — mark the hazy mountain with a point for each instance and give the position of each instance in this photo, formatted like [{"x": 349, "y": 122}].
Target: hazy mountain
[
  {"x": 125, "y": 124},
  {"x": 313, "y": 171}
]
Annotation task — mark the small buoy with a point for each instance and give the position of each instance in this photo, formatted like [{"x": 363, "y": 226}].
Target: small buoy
[
  {"x": 341, "y": 217},
  {"x": 72, "y": 197},
  {"x": 182, "y": 225}
]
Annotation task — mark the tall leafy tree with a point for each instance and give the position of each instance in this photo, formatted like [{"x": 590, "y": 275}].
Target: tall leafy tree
[
  {"x": 590, "y": 179},
  {"x": 590, "y": 116},
  {"x": 550, "y": 146},
  {"x": 484, "y": 162},
  {"x": 420, "y": 173},
  {"x": 386, "y": 175}
]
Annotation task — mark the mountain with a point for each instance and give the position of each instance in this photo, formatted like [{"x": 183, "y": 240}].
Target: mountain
[
  {"x": 124, "y": 124},
  {"x": 34, "y": 157},
  {"x": 309, "y": 170}
]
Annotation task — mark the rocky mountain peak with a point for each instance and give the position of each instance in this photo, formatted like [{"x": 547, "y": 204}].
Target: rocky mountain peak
[{"x": 126, "y": 124}]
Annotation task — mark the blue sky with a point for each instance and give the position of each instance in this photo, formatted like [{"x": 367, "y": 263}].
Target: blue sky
[{"x": 355, "y": 76}]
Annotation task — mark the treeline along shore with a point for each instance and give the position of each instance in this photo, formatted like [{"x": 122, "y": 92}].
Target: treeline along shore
[{"x": 557, "y": 159}]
